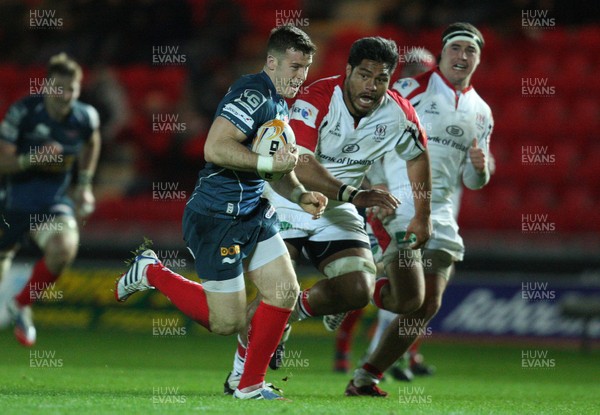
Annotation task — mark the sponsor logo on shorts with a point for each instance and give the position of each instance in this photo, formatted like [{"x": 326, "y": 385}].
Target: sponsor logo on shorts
[
  {"x": 226, "y": 252},
  {"x": 232, "y": 250}
]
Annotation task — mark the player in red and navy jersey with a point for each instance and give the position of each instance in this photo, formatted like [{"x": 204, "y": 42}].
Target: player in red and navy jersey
[
  {"x": 230, "y": 229},
  {"x": 343, "y": 124},
  {"x": 42, "y": 138},
  {"x": 459, "y": 127}
]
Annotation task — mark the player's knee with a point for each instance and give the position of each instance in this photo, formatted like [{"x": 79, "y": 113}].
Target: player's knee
[
  {"x": 431, "y": 306},
  {"x": 358, "y": 276},
  {"x": 284, "y": 296},
  {"x": 289, "y": 300},
  {"x": 408, "y": 305},
  {"x": 227, "y": 326},
  {"x": 60, "y": 256},
  {"x": 358, "y": 294}
]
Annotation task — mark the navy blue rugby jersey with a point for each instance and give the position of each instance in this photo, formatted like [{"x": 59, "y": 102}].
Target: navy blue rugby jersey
[
  {"x": 251, "y": 101},
  {"x": 28, "y": 125}
]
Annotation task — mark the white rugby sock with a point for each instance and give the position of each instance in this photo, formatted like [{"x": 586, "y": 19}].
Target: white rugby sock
[
  {"x": 384, "y": 319},
  {"x": 238, "y": 359},
  {"x": 363, "y": 378}
]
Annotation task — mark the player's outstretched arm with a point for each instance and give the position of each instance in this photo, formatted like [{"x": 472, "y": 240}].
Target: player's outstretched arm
[
  {"x": 316, "y": 177},
  {"x": 419, "y": 175},
  {"x": 311, "y": 202}
]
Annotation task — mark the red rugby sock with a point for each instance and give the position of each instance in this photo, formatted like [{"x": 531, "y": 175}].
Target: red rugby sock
[
  {"x": 40, "y": 280},
  {"x": 188, "y": 296},
  {"x": 379, "y": 284},
  {"x": 264, "y": 333},
  {"x": 343, "y": 338}
]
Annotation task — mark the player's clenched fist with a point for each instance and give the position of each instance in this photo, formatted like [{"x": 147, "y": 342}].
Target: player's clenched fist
[
  {"x": 313, "y": 203},
  {"x": 376, "y": 197},
  {"x": 477, "y": 157},
  {"x": 285, "y": 159}
]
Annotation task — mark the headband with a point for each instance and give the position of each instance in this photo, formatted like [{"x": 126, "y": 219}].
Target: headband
[{"x": 462, "y": 35}]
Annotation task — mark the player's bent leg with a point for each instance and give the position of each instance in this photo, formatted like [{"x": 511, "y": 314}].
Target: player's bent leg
[
  {"x": 403, "y": 291},
  {"x": 270, "y": 269},
  {"x": 58, "y": 240},
  {"x": 239, "y": 359},
  {"x": 349, "y": 284},
  {"x": 392, "y": 346}
]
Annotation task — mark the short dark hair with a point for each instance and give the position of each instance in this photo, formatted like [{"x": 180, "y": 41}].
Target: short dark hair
[
  {"x": 463, "y": 26},
  {"x": 287, "y": 37},
  {"x": 63, "y": 65},
  {"x": 375, "y": 49}
]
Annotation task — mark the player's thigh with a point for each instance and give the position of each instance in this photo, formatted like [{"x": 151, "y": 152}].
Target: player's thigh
[
  {"x": 270, "y": 269},
  {"x": 439, "y": 266},
  {"x": 342, "y": 252}
]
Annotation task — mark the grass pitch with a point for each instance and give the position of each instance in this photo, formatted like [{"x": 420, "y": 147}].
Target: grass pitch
[{"x": 102, "y": 372}]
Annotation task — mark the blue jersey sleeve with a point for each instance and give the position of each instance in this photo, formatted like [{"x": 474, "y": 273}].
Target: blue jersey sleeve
[
  {"x": 246, "y": 109},
  {"x": 90, "y": 120},
  {"x": 11, "y": 124}
]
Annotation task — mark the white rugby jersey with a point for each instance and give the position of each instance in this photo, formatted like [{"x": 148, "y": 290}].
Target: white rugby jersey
[
  {"x": 322, "y": 124},
  {"x": 452, "y": 119}
]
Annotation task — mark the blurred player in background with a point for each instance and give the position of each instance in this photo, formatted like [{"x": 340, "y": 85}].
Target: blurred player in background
[
  {"x": 459, "y": 125},
  {"x": 230, "y": 229},
  {"x": 415, "y": 62},
  {"x": 343, "y": 124},
  {"x": 42, "y": 137}
]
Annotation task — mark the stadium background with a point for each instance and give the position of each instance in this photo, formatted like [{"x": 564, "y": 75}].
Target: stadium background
[{"x": 156, "y": 70}]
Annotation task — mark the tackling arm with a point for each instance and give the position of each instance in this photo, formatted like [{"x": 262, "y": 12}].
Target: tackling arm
[
  {"x": 314, "y": 176},
  {"x": 290, "y": 188}
]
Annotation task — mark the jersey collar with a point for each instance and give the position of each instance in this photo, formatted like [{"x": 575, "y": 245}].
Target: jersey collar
[
  {"x": 272, "y": 88},
  {"x": 447, "y": 82}
]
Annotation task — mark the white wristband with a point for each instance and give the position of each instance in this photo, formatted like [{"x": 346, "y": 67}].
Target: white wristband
[
  {"x": 297, "y": 193},
  {"x": 265, "y": 164},
  {"x": 347, "y": 193}
]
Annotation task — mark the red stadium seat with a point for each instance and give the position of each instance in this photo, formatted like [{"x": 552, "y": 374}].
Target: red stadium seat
[
  {"x": 539, "y": 198},
  {"x": 584, "y": 118},
  {"x": 551, "y": 116},
  {"x": 577, "y": 211}
]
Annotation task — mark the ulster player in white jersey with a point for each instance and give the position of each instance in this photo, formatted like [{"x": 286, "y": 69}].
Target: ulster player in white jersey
[
  {"x": 459, "y": 124},
  {"x": 343, "y": 124}
]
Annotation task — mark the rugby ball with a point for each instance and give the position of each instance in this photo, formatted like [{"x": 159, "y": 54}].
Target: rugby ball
[{"x": 271, "y": 136}]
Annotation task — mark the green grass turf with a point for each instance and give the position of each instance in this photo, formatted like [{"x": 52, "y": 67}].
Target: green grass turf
[{"x": 121, "y": 373}]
